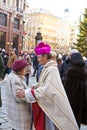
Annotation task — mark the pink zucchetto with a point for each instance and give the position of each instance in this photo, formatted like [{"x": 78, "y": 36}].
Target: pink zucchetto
[
  {"x": 19, "y": 64},
  {"x": 42, "y": 48}
]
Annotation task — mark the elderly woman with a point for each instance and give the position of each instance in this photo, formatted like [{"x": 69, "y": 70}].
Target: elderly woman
[{"x": 17, "y": 109}]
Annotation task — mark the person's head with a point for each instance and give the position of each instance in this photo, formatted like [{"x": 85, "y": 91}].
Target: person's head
[
  {"x": 44, "y": 58},
  {"x": 42, "y": 51},
  {"x": 3, "y": 50},
  {"x": 11, "y": 51},
  {"x": 19, "y": 66},
  {"x": 73, "y": 51},
  {"x": 59, "y": 61},
  {"x": 54, "y": 55},
  {"x": 77, "y": 60}
]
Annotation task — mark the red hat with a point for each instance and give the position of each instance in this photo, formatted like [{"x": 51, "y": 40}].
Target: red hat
[
  {"x": 42, "y": 48},
  {"x": 19, "y": 64}
]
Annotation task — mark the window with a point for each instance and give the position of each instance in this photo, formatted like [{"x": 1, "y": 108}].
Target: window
[
  {"x": 3, "y": 19},
  {"x": 15, "y": 41},
  {"x": 16, "y": 23},
  {"x": 17, "y": 4},
  {"x": 2, "y": 39}
]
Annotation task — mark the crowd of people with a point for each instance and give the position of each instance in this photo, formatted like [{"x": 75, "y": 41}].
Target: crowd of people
[{"x": 58, "y": 100}]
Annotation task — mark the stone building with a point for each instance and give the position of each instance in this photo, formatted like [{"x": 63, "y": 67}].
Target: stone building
[
  {"x": 11, "y": 24},
  {"x": 54, "y": 30}
]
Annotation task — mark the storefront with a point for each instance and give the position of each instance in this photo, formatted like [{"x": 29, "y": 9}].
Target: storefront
[{"x": 11, "y": 28}]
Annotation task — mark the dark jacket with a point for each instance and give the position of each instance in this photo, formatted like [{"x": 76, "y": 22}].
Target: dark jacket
[
  {"x": 39, "y": 70},
  {"x": 64, "y": 67},
  {"x": 76, "y": 89},
  {"x": 2, "y": 67}
]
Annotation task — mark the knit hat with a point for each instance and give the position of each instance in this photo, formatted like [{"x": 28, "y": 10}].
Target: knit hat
[
  {"x": 42, "y": 48},
  {"x": 19, "y": 64}
]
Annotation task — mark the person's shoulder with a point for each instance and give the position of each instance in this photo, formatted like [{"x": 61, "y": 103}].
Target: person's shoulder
[{"x": 12, "y": 75}]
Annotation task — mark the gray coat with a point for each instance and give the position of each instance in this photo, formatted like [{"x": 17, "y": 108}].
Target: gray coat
[{"x": 17, "y": 109}]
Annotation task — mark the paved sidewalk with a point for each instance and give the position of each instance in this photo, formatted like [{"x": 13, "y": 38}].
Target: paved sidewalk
[{"x": 3, "y": 116}]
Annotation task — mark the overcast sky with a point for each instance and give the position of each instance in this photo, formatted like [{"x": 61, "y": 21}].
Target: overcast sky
[{"x": 57, "y": 6}]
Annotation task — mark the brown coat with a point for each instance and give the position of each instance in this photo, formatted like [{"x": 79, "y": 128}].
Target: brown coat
[{"x": 11, "y": 59}]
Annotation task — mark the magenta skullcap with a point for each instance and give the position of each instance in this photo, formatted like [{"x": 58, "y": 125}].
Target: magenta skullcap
[
  {"x": 42, "y": 48},
  {"x": 19, "y": 64}
]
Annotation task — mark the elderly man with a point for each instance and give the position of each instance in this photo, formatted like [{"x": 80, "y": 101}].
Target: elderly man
[{"x": 50, "y": 104}]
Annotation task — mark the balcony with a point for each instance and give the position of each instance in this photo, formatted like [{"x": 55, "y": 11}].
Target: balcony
[
  {"x": 19, "y": 11},
  {"x": 12, "y": 9},
  {"x": 5, "y": 6}
]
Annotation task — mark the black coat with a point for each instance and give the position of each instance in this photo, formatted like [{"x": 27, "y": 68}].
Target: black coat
[
  {"x": 76, "y": 89},
  {"x": 2, "y": 67}
]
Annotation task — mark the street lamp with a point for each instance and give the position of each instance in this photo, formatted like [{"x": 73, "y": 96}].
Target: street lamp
[
  {"x": 9, "y": 45},
  {"x": 38, "y": 38}
]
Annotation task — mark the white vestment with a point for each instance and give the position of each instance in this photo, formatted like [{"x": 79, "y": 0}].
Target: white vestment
[{"x": 52, "y": 98}]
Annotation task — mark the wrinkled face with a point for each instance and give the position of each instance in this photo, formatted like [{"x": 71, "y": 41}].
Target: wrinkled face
[
  {"x": 23, "y": 71},
  {"x": 42, "y": 59}
]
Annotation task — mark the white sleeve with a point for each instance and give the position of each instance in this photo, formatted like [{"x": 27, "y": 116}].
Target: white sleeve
[{"x": 28, "y": 96}]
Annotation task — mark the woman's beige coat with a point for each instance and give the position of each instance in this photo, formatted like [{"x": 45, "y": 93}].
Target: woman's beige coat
[{"x": 17, "y": 109}]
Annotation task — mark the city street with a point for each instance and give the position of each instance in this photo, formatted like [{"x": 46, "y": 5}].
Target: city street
[
  {"x": 3, "y": 116},
  {"x": 39, "y": 31}
]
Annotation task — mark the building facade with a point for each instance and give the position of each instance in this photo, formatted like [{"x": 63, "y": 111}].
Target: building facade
[
  {"x": 11, "y": 24},
  {"x": 39, "y": 20},
  {"x": 55, "y": 30}
]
